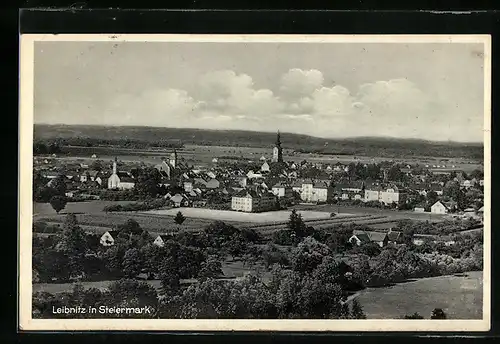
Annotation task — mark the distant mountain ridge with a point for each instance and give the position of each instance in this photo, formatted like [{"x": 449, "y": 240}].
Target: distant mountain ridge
[{"x": 194, "y": 135}]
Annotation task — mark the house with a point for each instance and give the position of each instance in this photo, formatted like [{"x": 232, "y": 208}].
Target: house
[
  {"x": 212, "y": 184},
  {"x": 265, "y": 168},
  {"x": 253, "y": 200},
  {"x": 108, "y": 238},
  {"x": 360, "y": 237},
  {"x": 162, "y": 239},
  {"x": 439, "y": 208},
  {"x": 179, "y": 200},
  {"x": 419, "y": 209},
  {"x": 392, "y": 195}
]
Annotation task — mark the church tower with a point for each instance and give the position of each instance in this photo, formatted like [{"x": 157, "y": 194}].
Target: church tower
[
  {"x": 277, "y": 150},
  {"x": 114, "y": 165}
]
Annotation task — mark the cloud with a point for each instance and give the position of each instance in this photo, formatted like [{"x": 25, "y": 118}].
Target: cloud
[
  {"x": 228, "y": 100},
  {"x": 234, "y": 94},
  {"x": 297, "y": 83}
]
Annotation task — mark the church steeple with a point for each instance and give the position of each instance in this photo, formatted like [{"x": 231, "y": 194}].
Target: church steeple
[
  {"x": 114, "y": 165},
  {"x": 277, "y": 150}
]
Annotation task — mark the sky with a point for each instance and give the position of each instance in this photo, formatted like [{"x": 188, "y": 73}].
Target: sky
[{"x": 331, "y": 90}]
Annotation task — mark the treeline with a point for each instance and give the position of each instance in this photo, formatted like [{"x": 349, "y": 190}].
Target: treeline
[{"x": 56, "y": 145}]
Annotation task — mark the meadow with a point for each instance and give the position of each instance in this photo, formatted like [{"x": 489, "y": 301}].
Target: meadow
[
  {"x": 234, "y": 216},
  {"x": 461, "y": 297}
]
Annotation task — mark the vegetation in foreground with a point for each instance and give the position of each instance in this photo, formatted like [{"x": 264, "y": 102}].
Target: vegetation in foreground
[{"x": 308, "y": 276}]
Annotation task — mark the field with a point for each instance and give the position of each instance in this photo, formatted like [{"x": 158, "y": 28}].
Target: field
[
  {"x": 90, "y": 207},
  {"x": 393, "y": 215},
  {"x": 234, "y": 216},
  {"x": 92, "y": 218},
  {"x": 459, "y": 297},
  {"x": 203, "y": 155}
]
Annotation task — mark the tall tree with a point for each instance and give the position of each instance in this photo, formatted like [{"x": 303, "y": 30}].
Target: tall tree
[
  {"x": 58, "y": 203},
  {"x": 296, "y": 223},
  {"x": 179, "y": 218}
]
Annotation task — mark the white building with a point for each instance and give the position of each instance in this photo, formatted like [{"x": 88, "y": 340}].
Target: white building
[
  {"x": 253, "y": 201},
  {"x": 265, "y": 167},
  {"x": 314, "y": 191},
  {"x": 161, "y": 240},
  {"x": 108, "y": 238},
  {"x": 120, "y": 180},
  {"x": 439, "y": 208},
  {"x": 390, "y": 195}
]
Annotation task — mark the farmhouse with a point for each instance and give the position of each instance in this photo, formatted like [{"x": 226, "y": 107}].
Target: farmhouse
[
  {"x": 253, "y": 200},
  {"x": 162, "y": 239},
  {"x": 442, "y": 207},
  {"x": 120, "y": 180},
  {"x": 108, "y": 238},
  {"x": 360, "y": 237}
]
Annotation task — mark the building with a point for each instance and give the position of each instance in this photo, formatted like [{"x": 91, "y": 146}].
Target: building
[
  {"x": 283, "y": 191},
  {"x": 277, "y": 150},
  {"x": 120, "y": 180},
  {"x": 162, "y": 239},
  {"x": 108, "y": 238},
  {"x": 179, "y": 200},
  {"x": 387, "y": 196},
  {"x": 265, "y": 168},
  {"x": 360, "y": 237},
  {"x": 439, "y": 208},
  {"x": 313, "y": 191},
  {"x": 253, "y": 200},
  {"x": 212, "y": 184},
  {"x": 167, "y": 168}
]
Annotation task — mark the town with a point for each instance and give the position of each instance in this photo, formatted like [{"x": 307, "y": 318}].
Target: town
[{"x": 246, "y": 215}]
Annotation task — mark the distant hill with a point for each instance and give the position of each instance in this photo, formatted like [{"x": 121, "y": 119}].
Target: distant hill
[{"x": 371, "y": 146}]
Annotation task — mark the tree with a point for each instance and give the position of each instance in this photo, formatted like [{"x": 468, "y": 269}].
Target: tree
[
  {"x": 148, "y": 182},
  {"x": 132, "y": 263},
  {"x": 211, "y": 268},
  {"x": 357, "y": 310},
  {"x": 438, "y": 313},
  {"x": 72, "y": 243},
  {"x": 432, "y": 197},
  {"x": 414, "y": 316},
  {"x": 308, "y": 255},
  {"x": 179, "y": 218},
  {"x": 296, "y": 223},
  {"x": 97, "y": 165},
  {"x": 58, "y": 203}
]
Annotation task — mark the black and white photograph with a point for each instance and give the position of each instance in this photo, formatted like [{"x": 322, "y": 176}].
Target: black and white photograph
[{"x": 255, "y": 182}]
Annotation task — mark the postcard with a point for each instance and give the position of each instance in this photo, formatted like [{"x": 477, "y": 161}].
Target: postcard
[{"x": 255, "y": 182}]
